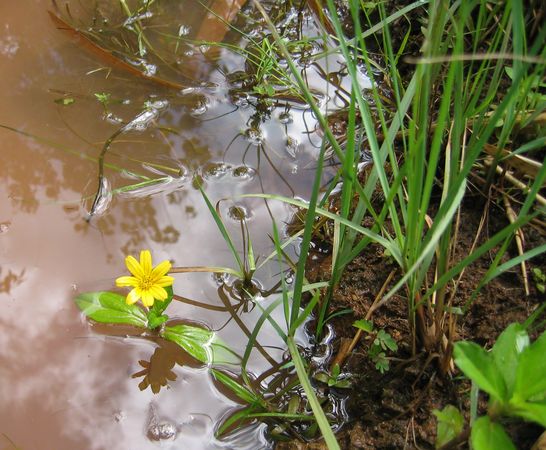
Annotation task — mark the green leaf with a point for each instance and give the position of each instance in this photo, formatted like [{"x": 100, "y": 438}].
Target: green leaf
[
  {"x": 479, "y": 366},
  {"x": 533, "y": 411},
  {"x": 487, "y": 435},
  {"x": 364, "y": 325},
  {"x": 155, "y": 320},
  {"x": 506, "y": 352},
  {"x": 201, "y": 343},
  {"x": 238, "y": 389},
  {"x": 194, "y": 340},
  {"x": 531, "y": 372},
  {"x": 108, "y": 307},
  {"x": 450, "y": 424},
  {"x": 386, "y": 341}
]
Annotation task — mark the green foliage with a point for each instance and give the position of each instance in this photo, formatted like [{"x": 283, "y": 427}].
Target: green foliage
[
  {"x": 108, "y": 307},
  {"x": 334, "y": 379},
  {"x": 382, "y": 342},
  {"x": 489, "y": 435},
  {"x": 195, "y": 341},
  {"x": 540, "y": 280},
  {"x": 450, "y": 424},
  {"x": 513, "y": 373}
]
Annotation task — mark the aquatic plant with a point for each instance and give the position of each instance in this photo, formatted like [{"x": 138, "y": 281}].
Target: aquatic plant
[{"x": 150, "y": 284}]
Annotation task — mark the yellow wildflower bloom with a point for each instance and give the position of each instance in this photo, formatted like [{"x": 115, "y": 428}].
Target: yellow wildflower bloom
[{"x": 148, "y": 282}]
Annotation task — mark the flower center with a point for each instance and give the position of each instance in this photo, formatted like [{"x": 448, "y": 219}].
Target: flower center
[{"x": 146, "y": 283}]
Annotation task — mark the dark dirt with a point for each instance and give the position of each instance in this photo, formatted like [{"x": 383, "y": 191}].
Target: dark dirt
[{"x": 395, "y": 410}]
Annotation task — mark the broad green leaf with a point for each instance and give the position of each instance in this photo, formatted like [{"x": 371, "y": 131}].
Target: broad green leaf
[
  {"x": 488, "y": 435},
  {"x": 160, "y": 306},
  {"x": 108, "y": 307},
  {"x": 233, "y": 385},
  {"x": 194, "y": 340},
  {"x": 506, "y": 352},
  {"x": 479, "y": 366},
  {"x": 364, "y": 325},
  {"x": 531, "y": 372},
  {"x": 204, "y": 345},
  {"x": 155, "y": 320},
  {"x": 533, "y": 411},
  {"x": 450, "y": 424}
]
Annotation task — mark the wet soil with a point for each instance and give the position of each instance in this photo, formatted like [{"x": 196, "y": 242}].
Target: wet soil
[{"x": 394, "y": 410}]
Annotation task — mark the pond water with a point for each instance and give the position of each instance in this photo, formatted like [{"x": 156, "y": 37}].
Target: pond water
[{"x": 66, "y": 383}]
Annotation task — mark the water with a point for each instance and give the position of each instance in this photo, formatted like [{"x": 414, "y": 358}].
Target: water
[{"x": 65, "y": 383}]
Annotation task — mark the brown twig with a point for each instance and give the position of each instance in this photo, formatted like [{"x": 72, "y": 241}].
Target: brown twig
[{"x": 520, "y": 240}]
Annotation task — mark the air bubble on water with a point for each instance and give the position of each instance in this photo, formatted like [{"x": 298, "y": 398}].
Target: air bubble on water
[
  {"x": 184, "y": 30},
  {"x": 162, "y": 431},
  {"x": 289, "y": 278},
  {"x": 240, "y": 99},
  {"x": 285, "y": 118},
  {"x": 119, "y": 416},
  {"x": 112, "y": 118},
  {"x": 243, "y": 173},
  {"x": 189, "y": 52},
  {"x": 254, "y": 136},
  {"x": 220, "y": 279},
  {"x": 136, "y": 18},
  {"x": 149, "y": 69},
  {"x": 74, "y": 287},
  {"x": 215, "y": 171},
  {"x": 200, "y": 107},
  {"x": 292, "y": 146},
  {"x": 101, "y": 200},
  {"x": 204, "y": 48},
  {"x": 238, "y": 213},
  {"x": 4, "y": 227}
]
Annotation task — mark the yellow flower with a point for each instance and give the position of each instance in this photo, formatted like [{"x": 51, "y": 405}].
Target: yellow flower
[{"x": 147, "y": 282}]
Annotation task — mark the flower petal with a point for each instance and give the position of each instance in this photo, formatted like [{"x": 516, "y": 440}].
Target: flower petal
[
  {"x": 126, "y": 281},
  {"x": 161, "y": 269},
  {"x": 132, "y": 297},
  {"x": 146, "y": 261},
  {"x": 158, "y": 292},
  {"x": 134, "y": 267},
  {"x": 147, "y": 298},
  {"x": 164, "y": 281}
]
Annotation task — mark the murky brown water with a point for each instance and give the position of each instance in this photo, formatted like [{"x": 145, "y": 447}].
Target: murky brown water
[{"x": 65, "y": 384}]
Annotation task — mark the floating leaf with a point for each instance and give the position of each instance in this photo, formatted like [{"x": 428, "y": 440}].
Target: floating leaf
[
  {"x": 194, "y": 340},
  {"x": 108, "y": 307},
  {"x": 450, "y": 424},
  {"x": 201, "y": 343}
]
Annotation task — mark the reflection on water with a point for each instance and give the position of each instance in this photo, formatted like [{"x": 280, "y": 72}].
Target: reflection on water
[{"x": 67, "y": 384}]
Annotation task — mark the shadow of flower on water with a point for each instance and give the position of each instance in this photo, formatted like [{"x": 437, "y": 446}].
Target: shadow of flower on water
[{"x": 158, "y": 371}]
